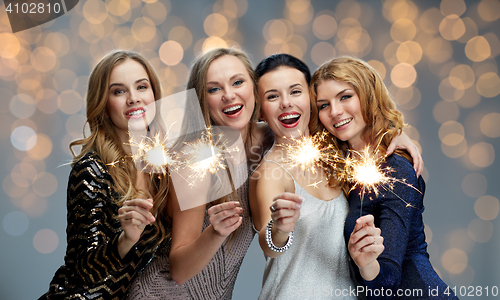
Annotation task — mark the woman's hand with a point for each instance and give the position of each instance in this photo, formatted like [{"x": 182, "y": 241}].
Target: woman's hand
[
  {"x": 403, "y": 141},
  {"x": 285, "y": 211},
  {"x": 225, "y": 217},
  {"x": 134, "y": 215},
  {"x": 365, "y": 245}
]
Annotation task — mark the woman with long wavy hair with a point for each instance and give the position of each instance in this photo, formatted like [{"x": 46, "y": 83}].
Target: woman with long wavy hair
[{"x": 116, "y": 213}]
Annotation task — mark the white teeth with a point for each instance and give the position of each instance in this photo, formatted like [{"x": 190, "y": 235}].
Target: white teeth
[
  {"x": 343, "y": 122},
  {"x": 289, "y": 117},
  {"x": 136, "y": 112},
  {"x": 232, "y": 108}
]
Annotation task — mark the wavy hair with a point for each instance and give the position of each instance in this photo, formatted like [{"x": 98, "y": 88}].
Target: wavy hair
[
  {"x": 383, "y": 121},
  {"x": 106, "y": 143}
]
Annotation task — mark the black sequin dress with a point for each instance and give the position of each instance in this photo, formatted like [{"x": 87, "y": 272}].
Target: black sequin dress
[
  {"x": 405, "y": 269},
  {"x": 92, "y": 266}
]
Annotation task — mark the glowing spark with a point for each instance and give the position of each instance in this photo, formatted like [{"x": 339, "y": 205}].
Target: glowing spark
[
  {"x": 207, "y": 154},
  {"x": 153, "y": 154},
  {"x": 309, "y": 152},
  {"x": 315, "y": 184}
]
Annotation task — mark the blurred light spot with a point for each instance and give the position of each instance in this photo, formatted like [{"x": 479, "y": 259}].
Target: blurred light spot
[
  {"x": 64, "y": 79},
  {"x": 324, "y": 27},
  {"x": 15, "y": 223},
  {"x": 450, "y": 7},
  {"x": 28, "y": 78},
  {"x": 95, "y": 11},
  {"x": 487, "y": 207},
  {"x": 23, "y": 138},
  {"x": 277, "y": 31},
  {"x": 429, "y": 20},
  {"x": 216, "y": 25},
  {"x": 438, "y": 50},
  {"x": 494, "y": 43},
  {"x": 42, "y": 148},
  {"x": 33, "y": 205},
  {"x": 452, "y": 27},
  {"x": 213, "y": 42},
  {"x": 474, "y": 185},
  {"x": 352, "y": 38},
  {"x": 489, "y": 10},
  {"x": 156, "y": 11},
  {"x": 10, "y": 45},
  {"x": 428, "y": 233},
  {"x": 470, "y": 98},
  {"x": 91, "y": 33},
  {"x": 451, "y": 133},
  {"x": 143, "y": 29},
  {"x": 460, "y": 239},
  {"x": 454, "y": 260},
  {"x": 44, "y": 184},
  {"x": 74, "y": 125},
  {"x": 379, "y": 66},
  {"x": 182, "y": 35},
  {"x": 408, "y": 98},
  {"x": 455, "y": 151},
  {"x": 480, "y": 230},
  {"x": 69, "y": 102},
  {"x": 396, "y": 9},
  {"x": 409, "y": 52},
  {"x": 171, "y": 53},
  {"x": 390, "y": 53},
  {"x": 403, "y": 75},
  {"x": 46, "y": 101},
  {"x": 466, "y": 278},
  {"x": 449, "y": 92},
  {"x": 22, "y": 106},
  {"x": 470, "y": 30},
  {"x": 462, "y": 77},
  {"x": 58, "y": 42},
  {"x": 490, "y": 125},
  {"x": 403, "y": 30},
  {"x": 482, "y": 154},
  {"x": 321, "y": 52},
  {"x": 299, "y": 12},
  {"x": 45, "y": 241},
  {"x": 11, "y": 188},
  {"x": 488, "y": 85},
  {"x": 8, "y": 66},
  {"x": 23, "y": 173},
  {"x": 446, "y": 111},
  {"x": 118, "y": 7},
  {"x": 477, "y": 49}
]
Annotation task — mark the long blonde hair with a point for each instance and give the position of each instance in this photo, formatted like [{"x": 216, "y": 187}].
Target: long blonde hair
[
  {"x": 383, "y": 120},
  {"x": 106, "y": 143}
]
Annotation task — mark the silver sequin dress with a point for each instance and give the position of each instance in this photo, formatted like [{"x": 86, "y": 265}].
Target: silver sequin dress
[{"x": 316, "y": 264}]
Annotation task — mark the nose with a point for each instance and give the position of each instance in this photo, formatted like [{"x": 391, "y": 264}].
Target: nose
[
  {"x": 285, "y": 102},
  {"x": 228, "y": 95},
  {"x": 335, "y": 109},
  {"x": 133, "y": 97}
]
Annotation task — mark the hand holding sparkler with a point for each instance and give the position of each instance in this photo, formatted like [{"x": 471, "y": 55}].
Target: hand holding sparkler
[
  {"x": 285, "y": 211},
  {"x": 365, "y": 245},
  {"x": 225, "y": 217},
  {"x": 134, "y": 215}
]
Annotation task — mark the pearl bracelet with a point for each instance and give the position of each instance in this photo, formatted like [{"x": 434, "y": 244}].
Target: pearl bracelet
[{"x": 269, "y": 239}]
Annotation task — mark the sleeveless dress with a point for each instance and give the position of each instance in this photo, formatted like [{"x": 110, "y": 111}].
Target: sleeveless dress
[
  {"x": 316, "y": 264},
  {"x": 216, "y": 281},
  {"x": 405, "y": 269}
]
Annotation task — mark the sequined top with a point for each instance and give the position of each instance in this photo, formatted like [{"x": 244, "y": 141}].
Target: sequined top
[
  {"x": 404, "y": 264},
  {"x": 216, "y": 281},
  {"x": 92, "y": 266},
  {"x": 316, "y": 264}
]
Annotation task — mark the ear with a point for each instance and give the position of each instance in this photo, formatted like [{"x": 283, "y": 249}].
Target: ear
[{"x": 261, "y": 117}]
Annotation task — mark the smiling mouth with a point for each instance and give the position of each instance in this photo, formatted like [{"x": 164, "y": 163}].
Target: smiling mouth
[
  {"x": 342, "y": 123},
  {"x": 136, "y": 112},
  {"x": 289, "y": 119},
  {"x": 232, "y": 110}
]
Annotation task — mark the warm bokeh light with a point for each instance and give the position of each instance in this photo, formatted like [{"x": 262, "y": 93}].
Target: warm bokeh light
[
  {"x": 403, "y": 75},
  {"x": 171, "y": 53},
  {"x": 451, "y": 133},
  {"x": 452, "y": 27},
  {"x": 449, "y": 92},
  {"x": 489, "y": 10},
  {"x": 95, "y": 11},
  {"x": 487, "y": 207},
  {"x": 455, "y": 151},
  {"x": 23, "y": 138},
  {"x": 324, "y": 27},
  {"x": 299, "y": 12},
  {"x": 394, "y": 10},
  {"x": 42, "y": 148},
  {"x": 22, "y": 106},
  {"x": 379, "y": 66},
  {"x": 44, "y": 184},
  {"x": 490, "y": 125},
  {"x": 156, "y": 11},
  {"x": 69, "y": 102},
  {"x": 482, "y": 154},
  {"x": 477, "y": 49},
  {"x": 460, "y": 239},
  {"x": 480, "y": 230},
  {"x": 403, "y": 30},
  {"x": 409, "y": 52},
  {"x": 216, "y": 25},
  {"x": 446, "y": 111},
  {"x": 462, "y": 77},
  {"x": 182, "y": 35},
  {"x": 470, "y": 98},
  {"x": 452, "y": 7},
  {"x": 454, "y": 260},
  {"x": 488, "y": 85},
  {"x": 213, "y": 42},
  {"x": 277, "y": 31},
  {"x": 474, "y": 185},
  {"x": 322, "y": 52},
  {"x": 45, "y": 241},
  {"x": 10, "y": 45},
  {"x": 143, "y": 29}
]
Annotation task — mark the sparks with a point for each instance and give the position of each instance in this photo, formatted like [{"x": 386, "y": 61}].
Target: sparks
[
  {"x": 153, "y": 154},
  {"x": 315, "y": 184}
]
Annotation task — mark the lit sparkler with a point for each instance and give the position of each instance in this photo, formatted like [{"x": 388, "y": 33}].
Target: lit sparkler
[{"x": 153, "y": 154}]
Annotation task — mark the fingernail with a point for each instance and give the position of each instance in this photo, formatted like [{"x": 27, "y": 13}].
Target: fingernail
[
  {"x": 301, "y": 198},
  {"x": 298, "y": 205},
  {"x": 236, "y": 204}
]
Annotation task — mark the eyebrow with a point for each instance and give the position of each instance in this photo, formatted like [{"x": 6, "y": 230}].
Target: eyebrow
[
  {"x": 291, "y": 87},
  {"x": 339, "y": 93},
  {"x": 121, "y": 84},
  {"x": 231, "y": 78}
]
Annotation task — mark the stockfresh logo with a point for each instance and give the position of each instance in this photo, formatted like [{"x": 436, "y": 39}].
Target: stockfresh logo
[{"x": 25, "y": 14}]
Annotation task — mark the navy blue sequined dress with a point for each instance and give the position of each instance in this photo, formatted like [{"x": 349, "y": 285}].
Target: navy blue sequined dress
[{"x": 405, "y": 269}]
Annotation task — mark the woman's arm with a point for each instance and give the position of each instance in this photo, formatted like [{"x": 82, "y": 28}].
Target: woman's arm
[
  {"x": 283, "y": 209},
  {"x": 192, "y": 247},
  {"x": 403, "y": 141}
]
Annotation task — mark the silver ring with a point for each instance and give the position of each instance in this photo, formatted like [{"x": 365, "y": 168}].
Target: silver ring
[
  {"x": 273, "y": 209},
  {"x": 374, "y": 241}
]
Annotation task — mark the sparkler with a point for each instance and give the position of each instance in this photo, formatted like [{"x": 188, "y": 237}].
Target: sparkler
[{"x": 153, "y": 154}]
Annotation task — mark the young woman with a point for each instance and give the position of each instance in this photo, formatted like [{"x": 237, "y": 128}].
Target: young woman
[
  {"x": 355, "y": 107},
  {"x": 304, "y": 209},
  {"x": 112, "y": 232},
  {"x": 209, "y": 242}
]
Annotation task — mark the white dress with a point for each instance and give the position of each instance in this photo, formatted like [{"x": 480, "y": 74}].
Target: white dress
[{"x": 316, "y": 264}]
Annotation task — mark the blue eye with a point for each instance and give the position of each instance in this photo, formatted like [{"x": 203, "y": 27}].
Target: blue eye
[
  {"x": 324, "y": 105},
  {"x": 116, "y": 92},
  {"x": 345, "y": 97},
  {"x": 142, "y": 87},
  {"x": 213, "y": 90},
  {"x": 238, "y": 82},
  {"x": 296, "y": 92},
  {"x": 271, "y": 97}
]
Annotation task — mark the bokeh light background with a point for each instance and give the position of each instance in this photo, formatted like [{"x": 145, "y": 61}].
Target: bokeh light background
[{"x": 439, "y": 59}]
